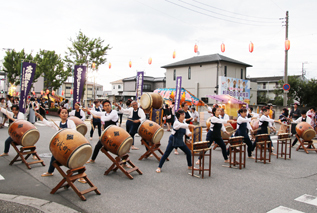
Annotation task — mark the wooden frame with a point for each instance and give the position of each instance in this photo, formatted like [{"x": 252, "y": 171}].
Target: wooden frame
[
  {"x": 262, "y": 146},
  {"x": 305, "y": 144},
  {"x": 151, "y": 148},
  {"x": 234, "y": 150},
  {"x": 285, "y": 144}
]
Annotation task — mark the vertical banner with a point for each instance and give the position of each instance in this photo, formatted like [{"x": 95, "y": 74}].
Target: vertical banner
[
  {"x": 157, "y": 116},
  {"x": 139, "y": 84},
  {"x": 79, "y": 80},
  {"x": 27, "y": 76},
  {"x": 178, "y": 92}
]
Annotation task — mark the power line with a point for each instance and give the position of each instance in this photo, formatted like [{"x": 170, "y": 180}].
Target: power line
[
  {"x": 243, "y": 19},
  {"x": 214, "y": 16}
]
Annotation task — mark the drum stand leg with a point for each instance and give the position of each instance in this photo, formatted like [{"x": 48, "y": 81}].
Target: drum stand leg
[
  {"x": 151, "y": 148},
  {"x": 305, "y": 147},
  {"x": 117, "y": 164},
  {"x": 71, "y": 177},
  {"x": 28, "y": 151}
]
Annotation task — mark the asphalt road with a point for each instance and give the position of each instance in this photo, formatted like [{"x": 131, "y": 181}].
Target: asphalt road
[{"x": 257, "y": 188}]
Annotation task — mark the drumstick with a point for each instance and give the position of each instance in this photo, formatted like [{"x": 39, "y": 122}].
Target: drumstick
[{"x": 56, "y": 124}]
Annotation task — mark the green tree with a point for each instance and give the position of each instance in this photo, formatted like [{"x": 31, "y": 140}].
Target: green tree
[
  {"x": 86, "y": 51},
  {"x": 12, "y": 66}
]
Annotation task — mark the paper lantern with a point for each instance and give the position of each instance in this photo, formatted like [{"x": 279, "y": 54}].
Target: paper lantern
[
  {"x": 14, "y": 93},
  {"x": 251, "y": 47},
  {"x": 150, "y": 60},
  {"x": 223, "y": 47},
  {"x": 33, "y": 93},
  {"x": 62, "y": 92},
  {"x": 71, "y": 91},
  {"x": 174, "y": 54},
  {"x": 195, "y": 48},
  {"x": 17, "y": 93},
  {"x": 93, "y": 65},
  {"x": 53, "y": 92},
  {"x": 109, "y": 65},
  {"x": 287, "y": 44},
  {"x": 47, "y": 92},
  {"x": 130, "y": 64},
  {"x": 42, "y": 92}
]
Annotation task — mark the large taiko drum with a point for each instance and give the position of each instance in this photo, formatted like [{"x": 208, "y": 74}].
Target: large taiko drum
[
  {"x": 151, "y": 131},
  {"x": 80, "y": 125},
  {"x": 305, "y": 131},
  {"x": 70, "y": 148},
  {"x": 255, "y": 125},
  {"x": 23, "y": 133},
  {"x": 116, "y": 140},
  {"x": 149, "y": 100},
  {"x": 229, "y": 129}
]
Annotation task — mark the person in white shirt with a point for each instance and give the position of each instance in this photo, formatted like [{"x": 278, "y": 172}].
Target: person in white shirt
[
  {"x": 78, "y": 112},
  {"x": 195, "y": 116},
  {"x": 136, "y": 116},
  {"x": 223, "y": 115},
  {"x": 66, "y": 104},
  {"x": 253, "y": 114},
  {"x": 303, "y": 118},
  {"x": 176, "y": 139},
  {"x": 95, "y": 121},
  {"x": 12, "y": 116}
]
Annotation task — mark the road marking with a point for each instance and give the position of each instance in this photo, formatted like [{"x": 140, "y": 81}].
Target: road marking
[
  {"x": 282, "y": 209},
  {"x": 309, "y": 199},
  {"x": 1, "y": 177}
]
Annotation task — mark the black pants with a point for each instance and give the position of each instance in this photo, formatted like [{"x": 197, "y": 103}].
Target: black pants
[
  {"x": 220, "y": 143},
  {"x": 295, "y": 141},
  {"x": 94, "y": 124},
  {"x": 120, "y": 118},
  {"x": 132, "y": 128},
  {"x": 96, "y": 150}
]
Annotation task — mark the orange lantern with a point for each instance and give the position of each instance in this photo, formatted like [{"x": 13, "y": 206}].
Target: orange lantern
[
  {"x": 195, "y": 48},
  {"x": 93, "y": 65},
  {"x": 174, "y": 54},
  {"x": 223, "y": 47},
  {"x": 33, "y": 93},
  {"x": 172, "y": 95},
  {"x": 62, "y": 92},
  {"x": 150, "y": 60},
  {"x": 251, "y": 47},
  {"x": 130, "y": 64},
  {"x": 71, "y": 91},
  {"x": 53, "y": 92},
  {"x": 14, "y": 93},
  {"x": 47, "y": 91},
  {"x": 109, "y": 65},
  {"x": 287, "y": 44},
  {"x": 42, "y": 92}
]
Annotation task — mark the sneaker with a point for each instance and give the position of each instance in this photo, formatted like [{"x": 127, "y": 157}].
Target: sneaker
[{"x": 90, "y": 138}]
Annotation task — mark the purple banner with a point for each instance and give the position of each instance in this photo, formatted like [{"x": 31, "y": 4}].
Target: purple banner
[
  {"x": 28, "y": 71},
  {"x": 79, "y": 80},
  {"x": 178, "y": 92},
  {"x": 157, "y": 116},
  {"x": 139, "y": 85}
]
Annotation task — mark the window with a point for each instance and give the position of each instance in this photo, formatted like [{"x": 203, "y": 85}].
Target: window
[
  {"x": 189, "y": 73},
  {"x": 68, "y": 87},
  {"x": 147, "y": 87},
  {"x": 174, "y": 75},
  {"x": 119, "y": 86},
  {"x": 264, "y": 85},
  {"x": 241, "y": 73},
  {"x": 276, "y": 85},
  {"x": 225, "y": 71},
  {"x": 114, "y": 87},
  {"x": 90, "y": 88}
]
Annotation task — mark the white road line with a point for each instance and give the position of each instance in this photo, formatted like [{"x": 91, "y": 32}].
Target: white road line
[
  {"x": 283, "y": 209},
  {"x": 1, "y": 177},
  {"x": 309, "y": 199}
]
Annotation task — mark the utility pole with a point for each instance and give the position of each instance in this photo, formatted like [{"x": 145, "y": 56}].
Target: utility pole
[{"x": 286, "y": 61}]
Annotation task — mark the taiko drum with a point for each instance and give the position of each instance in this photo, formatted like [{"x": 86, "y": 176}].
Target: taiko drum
[
  {"x": 23, "y": 133},
  {"x": 149, "y": 100},
  {"x": 236, "y": 140},
  {"x": 80, "y": 125},
  {"x": 70, "y": 148},
  {"x": 151, "y": 131},
  {"x": 255, "y": 125},
  {"x": 305, "y": 131},
  {"x": 116, "y": 140}
]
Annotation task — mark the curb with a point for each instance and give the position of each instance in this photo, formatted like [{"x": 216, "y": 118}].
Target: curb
[{"x": 42, "y": 205}]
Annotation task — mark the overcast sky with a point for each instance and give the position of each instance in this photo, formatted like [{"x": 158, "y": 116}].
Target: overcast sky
[{"x": 139, "y": 29}]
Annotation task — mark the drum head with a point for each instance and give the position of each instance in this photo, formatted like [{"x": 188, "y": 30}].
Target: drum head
[
  {"x": 308, "y": 134},
  {"x": 82, "y": 128},
  {"x": 146, "y": 101},
  {"x": 158, "y": 136},
  {"x": 30, "y": 137},
  {"x": 80, "y": 156},
  {"x": 125, "y": 146}
]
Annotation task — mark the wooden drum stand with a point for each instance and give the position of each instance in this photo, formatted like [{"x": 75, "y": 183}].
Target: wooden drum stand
[
  {"x": 28, "y": 151},
  {"x": 305, "y": 145}
]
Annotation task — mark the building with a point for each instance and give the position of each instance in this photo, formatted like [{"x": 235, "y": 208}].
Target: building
[
  {"x": 126, "y": 88},
  {"x": 200, "y": 74}
]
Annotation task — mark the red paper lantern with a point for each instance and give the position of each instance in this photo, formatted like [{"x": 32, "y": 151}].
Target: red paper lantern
[
  {"x": 109, "y": 65},
  {"x": 47, "y": 92},
  {"x": 14, "y": 93},
  {"x": 174, "y": 54},
  {"x": 251, "y": 47},
  {"x": 17, "y": 93},
  {"x": 93, "y": 65},
  {"x": 223, "y": 47},
  {"x": 130, "y": 64},
  {"x": 42, "y": 92},
  {"x": 71, "y": 91},
  {"x": 195, "y": 48},
  {"x": 150, "y": 60},
  {"x": 62, "y": 92},
  {"x": 33, "y": 93},
  {"x": 53, "y": 92},
  {"x": 287, "y": 44}
]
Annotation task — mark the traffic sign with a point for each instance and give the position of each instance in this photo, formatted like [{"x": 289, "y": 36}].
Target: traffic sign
[{"x": 286, "y": 87}]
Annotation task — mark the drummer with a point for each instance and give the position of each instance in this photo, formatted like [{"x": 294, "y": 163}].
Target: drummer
[
  {"x": 77, "y": 112},
  {"x": 243, "y": 123},
  {"x": 14, "y": 115},
  {"x": 63, "y": 124},
  {"x": 283, "y": 118},
  {"x": 188, "y": 119},
  {"x": 303, "y": 118},
  {"x": 109, "y": 117},
  {"x": 136, "y": 117},
  {"x": 176, "y": 139},
  {"x": 96, "y": 121}
]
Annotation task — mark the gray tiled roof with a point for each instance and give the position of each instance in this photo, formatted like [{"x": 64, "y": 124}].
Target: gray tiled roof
[
  {"x": 205, "y": 59},
  {"x": 270, "y": 78}
]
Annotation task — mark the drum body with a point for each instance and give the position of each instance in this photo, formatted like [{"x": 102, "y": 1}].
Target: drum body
[
  {"x": 201, "y": 145},
  {"x": 208, "y": 123},
  {"x": 116, "y": 140},
  {"x": 305, "y": 131},
  {"x": 262, "y": 137},
  {"x": 255, "y": 125},
  {"x": 80, "y": 125},
  {"x": 149, "y": 100},
  {"x": 70, "y": 148},
  {"x": 229, "y": 129},
  {"x": 151, "y": 131},
  {"x": 23, "y": 133},
  {"x": 283, "y": 135},
  {"x": 236, "y": 140}
]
